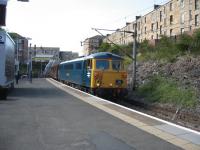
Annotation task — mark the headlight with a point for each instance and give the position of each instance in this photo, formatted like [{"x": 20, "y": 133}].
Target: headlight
[{"x": 119, "y": 82}]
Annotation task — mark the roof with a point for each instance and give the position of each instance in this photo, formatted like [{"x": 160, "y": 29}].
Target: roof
[
  {"x": 104, "y": 55},
  {"x": 100, "y": 55}
]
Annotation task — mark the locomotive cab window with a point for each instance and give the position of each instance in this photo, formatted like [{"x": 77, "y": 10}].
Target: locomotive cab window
[
  {"x": 102, "y": 64},
  {"x": 117, "y": 65}
]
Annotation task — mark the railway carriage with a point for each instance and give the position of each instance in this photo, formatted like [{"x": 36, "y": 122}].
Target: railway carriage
[
  {"x": 7, "y": 63},
  {"x": 53, "y": 73},
  {"x": 100, "y": 73}
]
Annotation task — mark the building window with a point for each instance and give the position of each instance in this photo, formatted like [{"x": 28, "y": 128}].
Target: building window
[
  {"x": 160, "y": 16},
  {"x": 190, "y": 28},
  {"x": 160, "y": 29},
  {"x": 182, "y": 3},
  {"x": 171, "y": 32},
  {"x": 190, "y": 15},
  {"x": 156, "y": 36},
  {"x": 138, "y": 25},
  {"x": 170, "y": 6},
  {"x": 138, "y": 37},
  {"x": 145, "y": 19},
  {"x": 165, "y": 22},
  {"x": 182, "y": 30},
  {"x": 171, "y": 19},
  {"x": 145, "y": 30},
  {"x": 196, "y": 20},
  {"x": 197, "y": 4},
  {"x": 152, "y": 37},
  {"x": 157, "y": 26},
  {"x": 182, "y": 18},
  {"x": 152, "y": 27},
  {"x": 164, "y": 10}
]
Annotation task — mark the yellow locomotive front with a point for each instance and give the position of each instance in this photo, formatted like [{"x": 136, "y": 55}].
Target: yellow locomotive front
[{"x": 109, "y": 77}]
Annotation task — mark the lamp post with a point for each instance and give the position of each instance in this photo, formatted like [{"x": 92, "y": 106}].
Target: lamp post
[
  {"x": 29, "y": 62},
  {"x": 134, "y": 56},
  {"x": 3, "y": 4},
  {"x": 28, "y": 57},
  {"x": 17, "y": 57}
]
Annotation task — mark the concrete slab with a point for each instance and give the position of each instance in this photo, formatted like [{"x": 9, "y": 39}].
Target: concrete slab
[
  {"x": 140, "y": 118},
  {"x": 194, "y": 138},
  {"x": 178, "y": 141},
  {"x": 171, "y": 129},
  {"x": 191, "y": 147}
]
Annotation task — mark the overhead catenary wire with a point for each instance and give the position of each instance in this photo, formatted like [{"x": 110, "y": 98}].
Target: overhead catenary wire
[{"x": 115, "y": 44}]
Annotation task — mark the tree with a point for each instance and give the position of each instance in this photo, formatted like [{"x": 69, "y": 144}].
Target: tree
[{"x": 104, "y": 47}]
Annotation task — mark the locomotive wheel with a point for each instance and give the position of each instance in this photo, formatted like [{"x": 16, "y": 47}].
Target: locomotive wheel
[{"x": 92, "y": 91}]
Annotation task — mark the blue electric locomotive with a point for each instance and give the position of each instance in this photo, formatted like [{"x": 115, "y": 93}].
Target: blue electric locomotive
[{"x": 100, "y": 73}]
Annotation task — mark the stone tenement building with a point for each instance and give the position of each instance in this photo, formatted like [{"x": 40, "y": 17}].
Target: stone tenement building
[
  {"x": 170, "y": 19},
  {"x": 21, "y": 47},
  {"x": 90, "y": 45}
]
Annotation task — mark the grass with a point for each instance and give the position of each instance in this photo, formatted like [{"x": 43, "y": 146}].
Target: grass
[{"x": 162, "y": 90}]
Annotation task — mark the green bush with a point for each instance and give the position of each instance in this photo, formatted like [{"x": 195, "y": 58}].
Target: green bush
[
  {"x": 196, "y": 42},
  {"x": 165, "y": 50},
  {"x": 162, "y": 90},
  {"x": 127, "y": 61},
  {"x": 184, "y": 43}
]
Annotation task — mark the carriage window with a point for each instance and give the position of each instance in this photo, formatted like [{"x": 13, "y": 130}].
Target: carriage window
[
  {"x": 69, "y": 66},
  {"x": 102, "y": 64},
  {"x": 78, "y": 66}
]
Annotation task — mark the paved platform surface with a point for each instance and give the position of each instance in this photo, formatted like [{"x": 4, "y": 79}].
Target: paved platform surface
[{"x": 39, "y": 116}]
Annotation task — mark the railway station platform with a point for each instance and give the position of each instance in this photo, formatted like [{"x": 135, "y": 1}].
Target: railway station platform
[
  {"x": 48, "y": 115},
  {"x": 180, "y": 136}
]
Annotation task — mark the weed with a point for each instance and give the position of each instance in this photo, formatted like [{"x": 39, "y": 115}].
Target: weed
[{"x": 163, "y": 90}]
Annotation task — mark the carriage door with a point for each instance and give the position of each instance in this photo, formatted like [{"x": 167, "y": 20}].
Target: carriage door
[{"x": 87, "y": 72}]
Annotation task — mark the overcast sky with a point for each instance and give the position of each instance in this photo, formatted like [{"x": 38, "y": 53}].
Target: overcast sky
[{"x": 64, "y": 23}]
